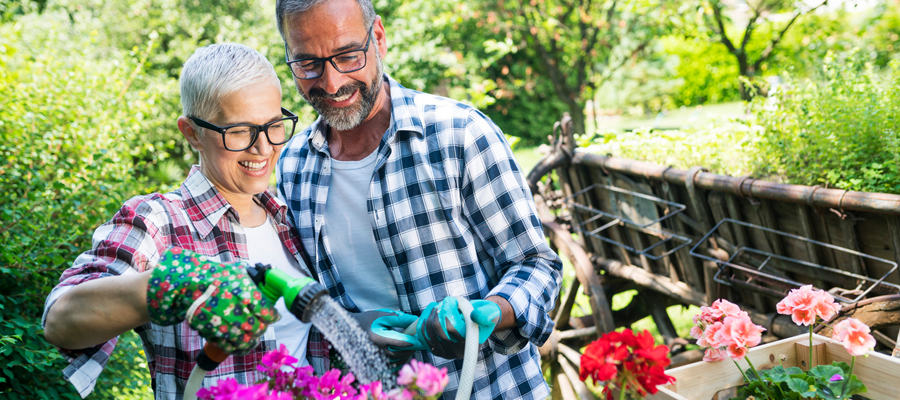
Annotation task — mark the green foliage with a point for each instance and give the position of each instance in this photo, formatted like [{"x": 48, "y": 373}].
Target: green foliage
[
  {"x": 795, "y": 384},
  {"x": 839, "y": 130},
  {"x": 69, "y": 124},
  {"x": 729, "y": 148},
  {"x": 706, "y": 69}
]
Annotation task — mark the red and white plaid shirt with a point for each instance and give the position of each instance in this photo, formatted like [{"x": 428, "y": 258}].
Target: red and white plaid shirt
[{"x": 195, "y": 217}]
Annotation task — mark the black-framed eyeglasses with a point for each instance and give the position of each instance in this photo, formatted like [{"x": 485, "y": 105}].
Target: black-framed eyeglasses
[
  {"x": 240, "y": 137},
  {"x": 345, "y": 63}
]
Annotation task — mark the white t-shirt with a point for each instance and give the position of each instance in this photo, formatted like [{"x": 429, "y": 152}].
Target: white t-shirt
[
  {"x": 265, "y": 247},
  {"x": 365, "y": 277}
]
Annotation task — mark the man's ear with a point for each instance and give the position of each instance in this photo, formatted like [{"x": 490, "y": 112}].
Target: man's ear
[
  {"x": 380, "y": 37},
  {"x": 189, "y": 133}
]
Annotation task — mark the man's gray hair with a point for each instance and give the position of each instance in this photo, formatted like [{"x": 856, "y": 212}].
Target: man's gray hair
[
  {"x": 218, "y": 70},
  {"x": 288, "y": 8}
]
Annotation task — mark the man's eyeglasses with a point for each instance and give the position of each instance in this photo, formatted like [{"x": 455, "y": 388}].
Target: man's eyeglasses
[
  {"x": 240, "y": 137},
  {"x": 346, "y": 62}
]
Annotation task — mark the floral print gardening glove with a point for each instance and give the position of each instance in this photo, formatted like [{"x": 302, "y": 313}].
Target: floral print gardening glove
[{"x": 219, "y": 300}]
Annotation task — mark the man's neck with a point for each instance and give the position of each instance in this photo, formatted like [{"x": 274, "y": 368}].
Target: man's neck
[{"x": 357, "y": 143}]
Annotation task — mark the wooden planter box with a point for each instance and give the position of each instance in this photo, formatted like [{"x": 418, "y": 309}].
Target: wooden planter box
[{"x": 702, "y": 380}]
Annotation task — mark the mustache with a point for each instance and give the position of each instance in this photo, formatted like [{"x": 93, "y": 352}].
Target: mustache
[{"x": 319, "y": 93}]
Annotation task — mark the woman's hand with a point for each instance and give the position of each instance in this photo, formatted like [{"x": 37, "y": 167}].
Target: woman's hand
[{"x": 218, "y": 300}]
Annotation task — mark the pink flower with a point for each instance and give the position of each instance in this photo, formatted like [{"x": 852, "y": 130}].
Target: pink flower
[
  {"x": 712, "y": 337},
  {"x": 742, "y": 331},
  {"x": 805, "y": 304},
  {"x": 727, "y": 308},
  {"x": 374, "y": 389},
  {"x": 399, "y": 394},
  {"x": 712, "y": 354},
  {"x": 430, "y": 380},
  {"x": 407, "y": 375},
  {"x": 696, "y": 332},
  {"x": 736, "y": 352},
  {"x": 854, "y": 335},
  {"x": 826, "y": 308}
]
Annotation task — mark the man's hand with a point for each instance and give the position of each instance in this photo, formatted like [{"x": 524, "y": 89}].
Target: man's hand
[
  {"x": 382, "y": 325},
  {"x": 442, "y": 328},
  {"x": 220, "y": 301}
]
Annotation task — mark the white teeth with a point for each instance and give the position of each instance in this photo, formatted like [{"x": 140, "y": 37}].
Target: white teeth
[
  {"x": 254, "y": 166},
  {"x": 342, "y": 98}
]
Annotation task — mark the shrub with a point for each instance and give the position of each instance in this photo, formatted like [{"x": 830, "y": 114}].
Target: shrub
[
  {"x": 69, "y": 124},
  {"x": 838, "y": 130},
  {"x": 728, "y": 148}
]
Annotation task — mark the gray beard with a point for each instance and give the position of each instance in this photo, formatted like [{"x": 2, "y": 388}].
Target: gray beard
[{"x": 346, "y": 118}]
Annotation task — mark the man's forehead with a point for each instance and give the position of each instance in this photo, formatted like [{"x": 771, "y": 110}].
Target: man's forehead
[{"x": 326, "y": 27}]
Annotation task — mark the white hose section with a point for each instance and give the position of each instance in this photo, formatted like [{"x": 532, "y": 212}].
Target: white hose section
[
  {"x": 197, "y": 374},
  {"x": 193, "y": 383},
  {"x": 470, "y": 355}
]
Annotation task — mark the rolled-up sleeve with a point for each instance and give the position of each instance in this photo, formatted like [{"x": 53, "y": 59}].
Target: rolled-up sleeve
[
  {"x": 123, "y": 245},
  {"x": 499, "y": 205}
]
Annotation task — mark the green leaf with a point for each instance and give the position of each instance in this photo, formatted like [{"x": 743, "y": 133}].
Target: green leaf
[
  {"x": 806, "y": 388},
  {"x": 825, "y": 372}
]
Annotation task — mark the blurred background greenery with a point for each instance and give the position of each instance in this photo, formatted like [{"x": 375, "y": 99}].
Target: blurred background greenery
[{"x": 802, "y": 92}]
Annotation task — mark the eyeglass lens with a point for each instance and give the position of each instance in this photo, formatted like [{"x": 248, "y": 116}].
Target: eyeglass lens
[
  {"x": 242, "y": 137},
  {"x": 344, "y": 63}
]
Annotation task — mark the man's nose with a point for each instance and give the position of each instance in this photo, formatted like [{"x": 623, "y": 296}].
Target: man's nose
[{"x": 331, "y": 80}]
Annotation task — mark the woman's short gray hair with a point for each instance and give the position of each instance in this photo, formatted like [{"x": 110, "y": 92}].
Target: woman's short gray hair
[
  {"x": 288, "y": 8},
  {"x": 217, "y": 70}
]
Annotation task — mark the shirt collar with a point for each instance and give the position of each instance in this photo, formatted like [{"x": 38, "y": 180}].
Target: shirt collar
[
  {"x": 205, "y": 205},
  {"x": 404, "y": 117}
]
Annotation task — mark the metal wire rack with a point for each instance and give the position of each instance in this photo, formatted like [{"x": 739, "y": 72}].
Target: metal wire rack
[
  {"x": 664, "y": 237},
  {"x": 770, "y": 274}
]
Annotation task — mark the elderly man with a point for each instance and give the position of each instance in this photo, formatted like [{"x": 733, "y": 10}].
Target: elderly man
[
  {"x": 222, "y": 212},
  {"x": 406, "y": 201}
]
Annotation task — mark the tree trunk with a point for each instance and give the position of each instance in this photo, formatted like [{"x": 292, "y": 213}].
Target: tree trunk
[{"x": 577, "y": 112}]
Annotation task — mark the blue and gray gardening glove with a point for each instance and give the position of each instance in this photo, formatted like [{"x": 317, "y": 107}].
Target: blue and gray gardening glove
[
  {"x": 382, "y": 328},
  {"x": 442, "y": 327}
]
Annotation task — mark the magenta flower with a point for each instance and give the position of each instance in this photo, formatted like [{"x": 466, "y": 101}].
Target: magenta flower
[
  {"x": 836, "y": 377},
  {"x": 274, "y": 360},
  {"x": 224, "y": 387},
  {"x": 331, "y": 386}
]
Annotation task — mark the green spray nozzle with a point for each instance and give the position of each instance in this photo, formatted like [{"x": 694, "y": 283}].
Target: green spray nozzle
[{"x": 298, "y": 293}]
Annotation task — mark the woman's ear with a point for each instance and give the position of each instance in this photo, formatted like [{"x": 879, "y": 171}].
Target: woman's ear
[{"x": 189, "y": 133}]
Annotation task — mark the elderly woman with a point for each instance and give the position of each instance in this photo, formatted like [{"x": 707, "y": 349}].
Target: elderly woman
[{"x": 233, "y": 118}]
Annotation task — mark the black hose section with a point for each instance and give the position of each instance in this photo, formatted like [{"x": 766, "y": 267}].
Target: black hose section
[{"x": 203, "y": 361}]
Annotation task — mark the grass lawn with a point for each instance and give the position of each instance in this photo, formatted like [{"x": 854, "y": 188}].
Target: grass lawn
[
  {"x": 527, "y": 157},
  {"x": 678, "y": 118}
]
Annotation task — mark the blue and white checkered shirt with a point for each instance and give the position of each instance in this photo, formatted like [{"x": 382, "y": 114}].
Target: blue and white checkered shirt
[{"x": 452, "y": 215}]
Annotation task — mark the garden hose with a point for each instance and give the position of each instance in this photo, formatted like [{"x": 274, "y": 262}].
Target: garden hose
[{"x": 470, "y": 354}]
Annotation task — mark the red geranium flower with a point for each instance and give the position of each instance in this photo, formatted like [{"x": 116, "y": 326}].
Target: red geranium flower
[{"x": 627, "y": 361}]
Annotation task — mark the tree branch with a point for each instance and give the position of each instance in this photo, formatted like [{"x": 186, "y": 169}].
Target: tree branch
[
  {"x": 558, "y": 81},
  {"x": 771, "y": 48},
  {"x": 751, "y": 24},
  {"x": 717, "y": 12}
]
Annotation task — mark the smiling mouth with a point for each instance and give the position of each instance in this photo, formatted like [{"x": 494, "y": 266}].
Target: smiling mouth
[
  {"x": 254, "y": 166},
  {"x": 342, "y": 98}
]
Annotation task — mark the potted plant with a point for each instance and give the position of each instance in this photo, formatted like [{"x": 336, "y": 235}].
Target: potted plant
[{"x": 773, "y": 370}]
